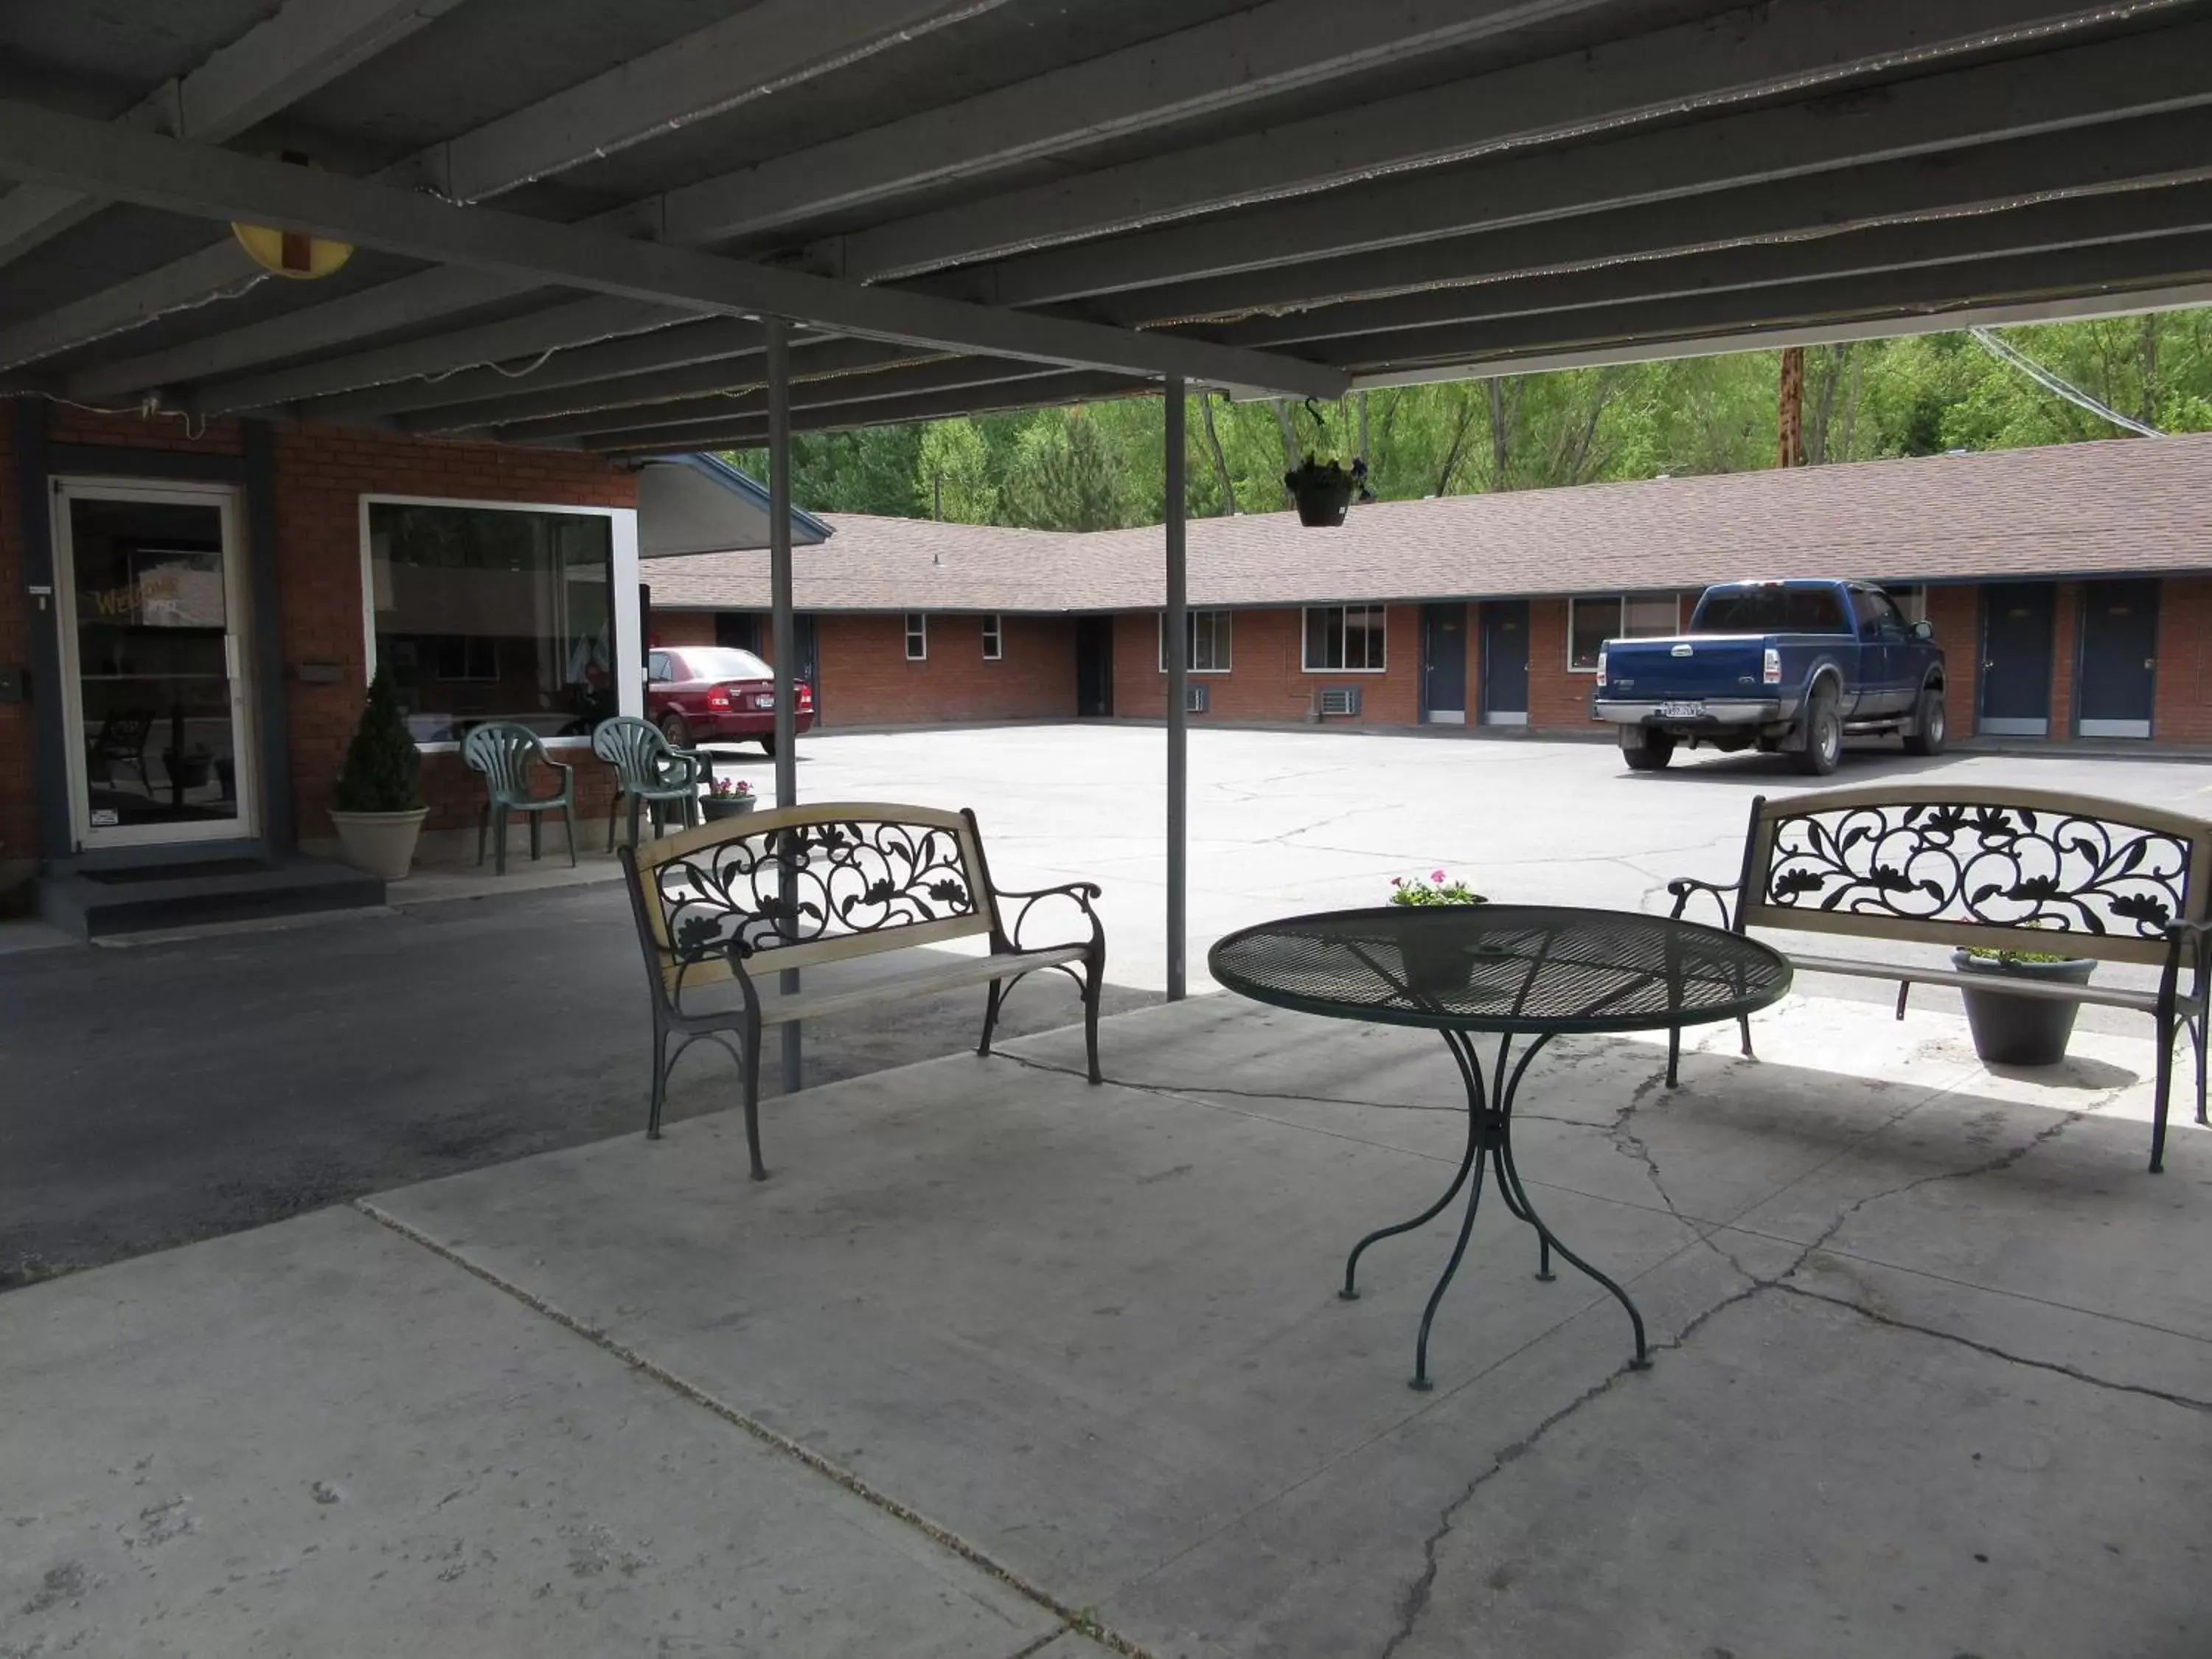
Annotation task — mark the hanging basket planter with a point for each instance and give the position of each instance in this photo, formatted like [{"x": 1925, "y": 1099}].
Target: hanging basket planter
[{"x": 1322, "y": 491}]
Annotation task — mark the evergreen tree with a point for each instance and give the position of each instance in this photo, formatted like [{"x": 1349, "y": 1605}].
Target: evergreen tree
[{"x": 382, "y": 765}]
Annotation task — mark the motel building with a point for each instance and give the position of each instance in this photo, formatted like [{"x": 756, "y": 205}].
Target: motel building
[
  {"x": 2070, "y": 587},
  {"x": 189, "y": 622}
]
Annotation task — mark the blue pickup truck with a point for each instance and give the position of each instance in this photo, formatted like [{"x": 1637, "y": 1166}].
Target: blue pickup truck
[{"x": 1790, "y": 667}]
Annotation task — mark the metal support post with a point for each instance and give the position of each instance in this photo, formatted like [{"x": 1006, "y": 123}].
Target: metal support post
[
  {"x": 775, "y": 334},
  {"x": 1177, "y": 624}
]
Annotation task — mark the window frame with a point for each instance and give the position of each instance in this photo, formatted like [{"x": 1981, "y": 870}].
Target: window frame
[
  {"x": 1343, "y": 625},
  {"x": 1621, "y": 603},
  {"x": 1221, "y": 624},
  {"x": 994, "y": 636},
  {"x": 622, "y": 576},
  {"x": 917, "y": 632}
]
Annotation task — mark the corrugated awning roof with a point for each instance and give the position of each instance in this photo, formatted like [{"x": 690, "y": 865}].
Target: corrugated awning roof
[
  {"x": 966, "y": 204},
  {"x": 2119, "y": 508}
]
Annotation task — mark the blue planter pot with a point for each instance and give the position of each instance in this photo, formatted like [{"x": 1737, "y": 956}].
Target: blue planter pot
[{"x": 2021, "y": 1030}]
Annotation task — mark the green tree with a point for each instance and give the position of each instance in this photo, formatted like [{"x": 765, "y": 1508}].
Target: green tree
[
  {"x": 1066, "y": 476},
  {"x": 1100, "y": 465},
  {"x": 954, "y": 478}
]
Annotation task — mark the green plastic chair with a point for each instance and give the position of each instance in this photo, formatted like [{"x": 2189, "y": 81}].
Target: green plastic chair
[
  {"x": 649, "y": 772},
  {"x": 503, "y": 752}
]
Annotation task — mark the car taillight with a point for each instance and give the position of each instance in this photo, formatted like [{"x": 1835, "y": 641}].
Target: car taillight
[
  {"x": 806, "y": 695},
  {"x": 1770, "y": 668},
  {"x": 1600, "y": 666},
  {"x": 718, "y": 697}
]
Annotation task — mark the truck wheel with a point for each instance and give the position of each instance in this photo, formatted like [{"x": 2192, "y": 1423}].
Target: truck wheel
[
  {"x": 1824, "y": 736},
  {"x": 1930, "y": 725},
  {"x": 1646, "y": 751}
]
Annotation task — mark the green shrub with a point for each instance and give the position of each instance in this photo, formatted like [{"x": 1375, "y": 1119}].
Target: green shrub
[
  {"x": 1992, "y": 953},
  {"x": 382, "y": 764}
]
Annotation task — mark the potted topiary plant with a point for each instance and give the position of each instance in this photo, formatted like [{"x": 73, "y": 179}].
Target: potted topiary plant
[
  {"x": 2015, "y": 1030},
  {"x": 379, "y": 809},
  {"x": 1433, "y": 961},
  {"x": 1321, "y": 491},
  {"x": 726, "y": 799}
]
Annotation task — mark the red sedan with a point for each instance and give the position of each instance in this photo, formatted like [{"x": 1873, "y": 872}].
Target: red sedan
[{"x": 713, "y": 693}]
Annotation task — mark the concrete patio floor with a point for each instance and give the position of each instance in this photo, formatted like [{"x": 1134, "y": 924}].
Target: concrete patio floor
[{"x": 997, "y": 1359}]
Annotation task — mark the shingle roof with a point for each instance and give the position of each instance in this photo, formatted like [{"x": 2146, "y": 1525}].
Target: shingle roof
[{"x": 2140, "y": 506}]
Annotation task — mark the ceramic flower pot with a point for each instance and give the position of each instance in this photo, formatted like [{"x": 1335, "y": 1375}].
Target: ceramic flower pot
[
  {"x": 382, "y": 843},
  {"x": 1433, "y": 960},
  {"x": 2011, "y": 1030}
]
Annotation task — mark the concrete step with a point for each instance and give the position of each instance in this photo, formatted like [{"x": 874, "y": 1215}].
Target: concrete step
[{"x": 98, "y": 903}]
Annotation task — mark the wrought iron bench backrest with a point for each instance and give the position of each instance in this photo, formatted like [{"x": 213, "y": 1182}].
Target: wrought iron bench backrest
[
  {"x": 862, "y": 876},
  {"x": 1951, "y": 864}
]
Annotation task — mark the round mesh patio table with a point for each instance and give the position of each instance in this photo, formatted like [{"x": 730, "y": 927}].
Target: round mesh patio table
[{"x": 1524, "y": 973}]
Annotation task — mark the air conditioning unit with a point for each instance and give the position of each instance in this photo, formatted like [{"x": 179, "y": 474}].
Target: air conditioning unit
[
  {"x": 1193, "y": 699},
  {"x": 1339, "y": 700}
]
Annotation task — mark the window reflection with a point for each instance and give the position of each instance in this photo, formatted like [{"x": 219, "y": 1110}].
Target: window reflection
[
  {"x": 153, "y": 692},
  {"x": 485, "y": 614}
]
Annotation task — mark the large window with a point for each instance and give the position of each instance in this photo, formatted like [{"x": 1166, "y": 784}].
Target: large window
[
  {"x": 481, "y": 613},
  {"x": 1345, "y": 639},
  {"x": 1207, "y": 632},
  {"x": 1591, "y": 623}
]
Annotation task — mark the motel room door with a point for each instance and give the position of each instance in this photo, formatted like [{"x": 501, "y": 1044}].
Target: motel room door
[
  {"x": 2119, "y": 658},
  {"x": 1094, "y": 667},
  {"x": 1443, "y": 664},
  {"x": 1505, "y": 662},
  {"x": 2016, "y": 632},
  {"x": 150, "y": 598}
]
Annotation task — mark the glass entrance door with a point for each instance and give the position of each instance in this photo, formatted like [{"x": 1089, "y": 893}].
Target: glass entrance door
[{"x": 154, "y": 649}]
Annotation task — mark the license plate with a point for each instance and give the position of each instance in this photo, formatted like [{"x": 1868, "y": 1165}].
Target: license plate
[{"x": 1681, "y": 711}]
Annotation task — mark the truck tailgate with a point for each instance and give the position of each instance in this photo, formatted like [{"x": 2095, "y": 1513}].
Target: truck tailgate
[{"x": 1684, "y": 670}]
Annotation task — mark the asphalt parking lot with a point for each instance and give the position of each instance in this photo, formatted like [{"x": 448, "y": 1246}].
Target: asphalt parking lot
[
  {"x": 1289, "y": 821},
  {"x": 165, "y": 1092}
]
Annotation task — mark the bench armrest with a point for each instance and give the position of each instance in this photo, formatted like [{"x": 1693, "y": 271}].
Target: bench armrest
[
  {"x": 1081, "y": 893},
  {"x": 2194, "y": 937},
  {"x": 1685, "y": 888}
]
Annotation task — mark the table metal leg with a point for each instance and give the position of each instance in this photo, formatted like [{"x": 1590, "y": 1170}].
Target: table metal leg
[
  {"x": 1508, "y": 1178},
  {"x": 1490, "y": 1135},
  {"x": 1472, "y": 1071}
]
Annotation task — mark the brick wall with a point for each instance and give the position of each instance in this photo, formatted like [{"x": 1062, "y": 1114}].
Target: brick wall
[
  {"x": 1559, "y": 699},
  {"x": 322, "y": 473},
  {"x": 680, "y": 628},
  {"x": 1957, "y": 614},
  {"x": 868, "y": 681},
  {"x": 2183, "y": 711},
  {"x": 863, "y": 677},
  {"x": 2065, "y": 631},
  {"x": 1266, "y": 679}
]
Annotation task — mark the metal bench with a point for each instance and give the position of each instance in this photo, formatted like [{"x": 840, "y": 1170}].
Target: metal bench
[
  {"x": 2001, "y": 868},
  {"x": 743, "y": 900}
]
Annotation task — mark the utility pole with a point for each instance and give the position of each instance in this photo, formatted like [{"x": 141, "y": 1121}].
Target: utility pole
[{"x": 1791, "y": 450}]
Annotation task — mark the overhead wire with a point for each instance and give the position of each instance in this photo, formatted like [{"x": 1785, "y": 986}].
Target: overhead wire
[{"x": 2006, "y": 353}]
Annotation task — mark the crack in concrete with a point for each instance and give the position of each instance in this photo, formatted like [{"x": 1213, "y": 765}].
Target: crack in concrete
[
  {"x": 1419, "y": 1593},
  {"x": 1083, "y": 1620},
  {"x": 2187, "y": 1401}
]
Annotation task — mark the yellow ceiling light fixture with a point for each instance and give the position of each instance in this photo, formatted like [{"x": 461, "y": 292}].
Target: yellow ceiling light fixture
[{"x": 291, "y": 253}]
